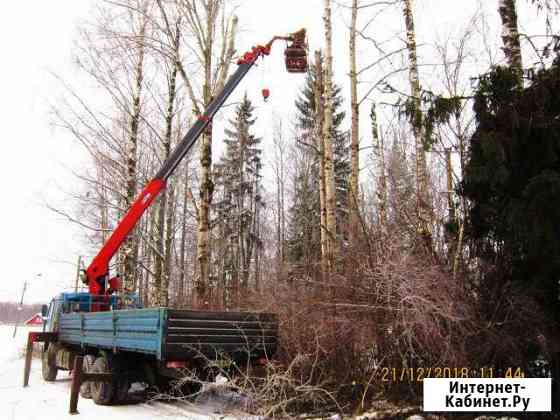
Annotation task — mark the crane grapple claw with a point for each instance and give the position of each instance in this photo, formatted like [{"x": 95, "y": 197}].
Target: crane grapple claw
[{"x": 296, "y": 53}]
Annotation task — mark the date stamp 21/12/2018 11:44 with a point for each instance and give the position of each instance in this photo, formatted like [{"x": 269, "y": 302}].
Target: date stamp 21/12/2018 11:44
[{"x": 417, "y": 374}]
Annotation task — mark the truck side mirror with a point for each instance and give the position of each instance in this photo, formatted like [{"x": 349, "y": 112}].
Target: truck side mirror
[{"x": 44, "y": 310}]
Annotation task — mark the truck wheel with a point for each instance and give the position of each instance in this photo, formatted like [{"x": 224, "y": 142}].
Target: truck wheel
[
  {"x": 190, "y": 388},
  {"x": 85, "y": 389},
  {"x": 48, "y": 365},
  {"x": 102, "y": 392},
  {"x": 160, "y": 389},
  {"x": 121, "y": 391}
]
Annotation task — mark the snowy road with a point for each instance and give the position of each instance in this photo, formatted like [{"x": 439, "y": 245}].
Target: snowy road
[{"x": 47, "y": 401}]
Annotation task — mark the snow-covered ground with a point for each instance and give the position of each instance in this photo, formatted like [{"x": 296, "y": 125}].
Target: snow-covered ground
[{"x": 44, "y": 401}]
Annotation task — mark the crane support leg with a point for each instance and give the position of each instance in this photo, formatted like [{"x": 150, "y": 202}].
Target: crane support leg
[
  {"x": 34, "y": 337},
  {"x": 79, "y": 377}
]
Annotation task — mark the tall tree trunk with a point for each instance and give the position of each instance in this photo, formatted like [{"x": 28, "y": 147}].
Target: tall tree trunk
[
  {"x": 355, "y": 134},
  {"x": 423, "y": 205},
  {"x": 103, "y": 208},
  {"x": 203, "y": 216},
  {"x": 379, "y": 149},
  {"x": 206, "y": 183},
  {"x": 257, "y": 244},
  {"x": 161, "y": 283},
  {"x": 130, "y": 250},
  {"x": 450, "y": 203},
  {"x": 151, "y": 291},
  {"x": 183, "y": 248},
  {"x": 203, "y": 18},
  {"x": 452, "y": 213},
  {"x": 320, "y": 117},
  {"x": 169, "y": 235},
  {"x": 330, "y": 192},
  {"x": 510, "y": 37},
  {"x": 279, "y": 165}
]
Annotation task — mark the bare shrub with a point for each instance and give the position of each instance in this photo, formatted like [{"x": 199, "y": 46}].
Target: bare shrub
[{"x": 393, "y": 308}]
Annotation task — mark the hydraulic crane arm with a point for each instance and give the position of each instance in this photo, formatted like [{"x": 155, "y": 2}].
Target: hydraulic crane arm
[{"x": 99, "y": 268}]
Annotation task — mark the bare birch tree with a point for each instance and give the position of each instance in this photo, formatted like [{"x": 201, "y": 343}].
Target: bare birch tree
[
  {"x": 165, "y": 215},
  {"x": 330, "y": 193},
  {"x": 423, "y": 205},
  {"x": 379, "y": 153},
  {"x": 320, "y": 145},
  {"x": 279, "y": 166},
  {"x": 130, "y": 248},
  {"x": 355, "y": 127},
  {"x": 214, "y": 32}
]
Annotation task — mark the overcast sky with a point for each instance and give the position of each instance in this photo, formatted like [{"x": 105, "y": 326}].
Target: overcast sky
[{"x": 36, "y": 162}]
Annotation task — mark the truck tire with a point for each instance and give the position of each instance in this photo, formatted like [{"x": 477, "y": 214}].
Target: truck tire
[
  {"x": 85, "y": 389},
  {"x": 161, "y": 389},
  {"x": 48, "y": 363},
  {"x": 102, "y": 392},
  {"x": 121, "y": 391}
]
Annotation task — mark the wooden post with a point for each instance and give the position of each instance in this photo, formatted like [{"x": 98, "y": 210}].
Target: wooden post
[
  {"x": 28, "y": 356},
  {"x": 76, "y": 383}
]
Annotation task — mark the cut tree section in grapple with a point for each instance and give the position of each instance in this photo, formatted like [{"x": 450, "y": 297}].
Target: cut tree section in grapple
[{"x": 295, "y": 53}]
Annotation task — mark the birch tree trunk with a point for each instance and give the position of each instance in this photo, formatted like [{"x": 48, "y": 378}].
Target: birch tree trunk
[
  {"x": 452, "y": 214},
  {"x": 423, "y": 205},
  {"x": 319, "y": 139},
  {"x": 183, "y": 249},
  {"x": 280, "y": 178},
  {"x": 510, "y": 37},
  {"x": 355, "y": 134},
  {"x": 151, "y": 297},
  {"x": 130, "y": 251},
  {"x": 168, "y": 256},
  {"x": 202, "y": 18},
  {"x": 161, "y": 283},
  {"x": 379, "y": 150},
  {"x": 257, "y": 243},
  {"x": 330, "y": 193},
  {"x": 103, "y": 208},
  {"x": 206, "y": 184}
]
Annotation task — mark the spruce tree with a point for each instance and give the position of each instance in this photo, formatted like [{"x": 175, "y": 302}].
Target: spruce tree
[
  {"x": 304, "y": 228},
  {"x": 512, "y": 182},
  {"x": 238, "y": 182}
]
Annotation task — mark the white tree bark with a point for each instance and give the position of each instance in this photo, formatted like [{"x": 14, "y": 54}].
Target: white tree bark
[
  {"x": 355, "y": 134},
  {"x": 320, "y": 144},
  {"x": 423, "y": 205},
  {"x": 510, "y": 37},
  {"x": 130, "y": 248},
  {"x": 330, "y": 193},
  {"x": 379, "y": 150},
  {"x": 205, "y": 18}
]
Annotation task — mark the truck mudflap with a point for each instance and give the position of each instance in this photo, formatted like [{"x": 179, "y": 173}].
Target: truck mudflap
[{"x": 214, "y": 335}]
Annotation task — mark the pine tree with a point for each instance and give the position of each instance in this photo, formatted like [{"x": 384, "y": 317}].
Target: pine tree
[
  {"x": 305, "y": 213},
  {"x": 238, "y": 179}
]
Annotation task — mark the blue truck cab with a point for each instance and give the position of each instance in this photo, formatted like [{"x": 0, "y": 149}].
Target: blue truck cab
[{"x": 68, "y": 302}]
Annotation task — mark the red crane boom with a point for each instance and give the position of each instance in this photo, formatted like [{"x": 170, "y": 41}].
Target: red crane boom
[{"x": 97, "y": 272}]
